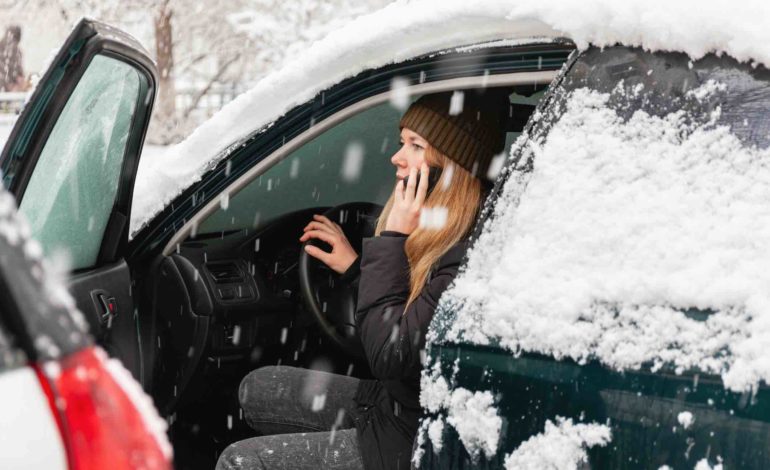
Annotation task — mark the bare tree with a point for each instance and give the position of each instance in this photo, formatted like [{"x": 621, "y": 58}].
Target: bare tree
[{"x": 200, "y": 46}]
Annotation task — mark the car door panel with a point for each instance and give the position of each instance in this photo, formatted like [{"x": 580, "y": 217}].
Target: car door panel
[
  {"x": 104, "y": 295},
  {"x": 71, "y": 161}
]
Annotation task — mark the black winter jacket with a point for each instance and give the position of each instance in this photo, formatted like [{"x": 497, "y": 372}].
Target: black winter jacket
[{"x": 389, "y": 408}]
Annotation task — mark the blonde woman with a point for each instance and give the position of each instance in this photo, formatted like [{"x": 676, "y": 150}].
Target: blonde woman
[{"x": 401, "y": 273}]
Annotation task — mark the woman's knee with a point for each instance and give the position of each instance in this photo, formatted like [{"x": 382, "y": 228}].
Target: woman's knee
[
  {"x": 238, "y": 456},
  {"x": 263, "y": 385},
  {"x": 266, "y": 391}
]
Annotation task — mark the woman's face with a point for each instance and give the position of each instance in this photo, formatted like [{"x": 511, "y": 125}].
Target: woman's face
[{"x": 412, "y": 153}]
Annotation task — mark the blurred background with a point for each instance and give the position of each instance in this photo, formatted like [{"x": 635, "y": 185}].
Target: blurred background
[{"x": 208, "y": 52}]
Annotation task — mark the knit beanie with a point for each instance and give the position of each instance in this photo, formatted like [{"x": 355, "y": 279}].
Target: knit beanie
[{"x": 467, "y": 128}]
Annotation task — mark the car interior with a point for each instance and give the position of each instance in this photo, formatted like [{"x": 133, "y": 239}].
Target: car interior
[{"x": 237, "y": 294}]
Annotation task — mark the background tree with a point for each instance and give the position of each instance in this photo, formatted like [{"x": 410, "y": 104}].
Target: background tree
[{"x": 206, "y": 52}]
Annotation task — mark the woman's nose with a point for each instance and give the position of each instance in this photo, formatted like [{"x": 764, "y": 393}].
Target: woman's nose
[{"x": 398, "y": 158}]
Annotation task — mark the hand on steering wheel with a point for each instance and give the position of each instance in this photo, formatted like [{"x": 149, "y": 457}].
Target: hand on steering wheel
[
  {"x": 330, "y": 302},
  {"x": 342, "y": 255}
]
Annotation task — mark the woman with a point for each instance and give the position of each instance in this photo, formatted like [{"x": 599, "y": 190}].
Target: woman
[{"x": 315, "y": 420}]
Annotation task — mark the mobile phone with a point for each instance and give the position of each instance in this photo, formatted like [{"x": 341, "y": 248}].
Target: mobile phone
[{"x": 434, "y": 175}]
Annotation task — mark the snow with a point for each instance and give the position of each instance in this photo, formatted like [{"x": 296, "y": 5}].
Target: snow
[
  {"x": 435, "y": 432},
  {"x": 154, "y": 424},
  {"x": 353, "y": 161},
  {"x": 620, "y": 228},
  {"x": 406, "y": 29},
  {"x": 703, "y": 464},
  {"x": 398, "y": 32},
  {"x": 472, "y": 414},
  {"x": 399, "y": 93},
  {"x": 433, "y": 218},
  {"x": 685, "y": 418},
  {"x": 50, "y": 272},
  {"x": 561, "y": 446}
]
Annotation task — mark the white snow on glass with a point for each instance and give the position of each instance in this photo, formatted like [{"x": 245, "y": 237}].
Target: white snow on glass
[
  {"x": 685, "y": 418},
  {"x": 703, "y": 464},
  {"x": 562, "y": 445},
  {"x": 620, "y": 229},
  {"x": 472, "y": 414},
  {"x": 403, "y": 30}
]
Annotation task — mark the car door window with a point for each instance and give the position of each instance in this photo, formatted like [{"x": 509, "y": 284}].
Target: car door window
[
  {"x": 349, "y": 162},
  {"x": 71, "y": 192}
]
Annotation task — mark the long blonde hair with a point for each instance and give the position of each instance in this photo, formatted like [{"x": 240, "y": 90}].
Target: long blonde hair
[{"x": 460, "y": 193}]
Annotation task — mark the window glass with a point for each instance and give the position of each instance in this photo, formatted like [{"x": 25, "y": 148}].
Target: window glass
[
  {"x": 620, "y": 282},
  {"x": 70, "y": 195},
  {"x": 349, "y": 162}
]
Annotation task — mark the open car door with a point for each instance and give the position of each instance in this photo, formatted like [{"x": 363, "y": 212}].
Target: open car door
[{"x": 71, "y": 161}]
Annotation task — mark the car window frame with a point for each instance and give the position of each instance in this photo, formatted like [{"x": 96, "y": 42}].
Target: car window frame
[{"x": 519, "y": 78}]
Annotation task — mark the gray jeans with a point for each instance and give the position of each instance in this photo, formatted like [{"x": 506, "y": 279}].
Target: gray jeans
[{"x": 303, "y": 417}]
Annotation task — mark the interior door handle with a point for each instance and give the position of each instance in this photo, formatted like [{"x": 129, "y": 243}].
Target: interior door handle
[{"x": 106, "y": 308}]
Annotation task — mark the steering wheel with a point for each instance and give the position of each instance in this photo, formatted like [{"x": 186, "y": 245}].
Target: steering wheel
[{"x": 331, "y": 301}]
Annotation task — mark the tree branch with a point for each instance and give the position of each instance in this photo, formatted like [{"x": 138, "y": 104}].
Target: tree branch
[{"x": 210, "y": 84}]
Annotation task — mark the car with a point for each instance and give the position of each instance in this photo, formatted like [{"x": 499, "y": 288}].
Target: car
[
  {"x": 589, "y": 328},
  {"x": 213, "y": 286},
  {"x": 65, "y": 403},
  {"x": 192, "y": 276}
]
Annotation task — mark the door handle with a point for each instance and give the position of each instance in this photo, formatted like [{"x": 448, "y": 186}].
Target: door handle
[{"x": 106, "y": 307}]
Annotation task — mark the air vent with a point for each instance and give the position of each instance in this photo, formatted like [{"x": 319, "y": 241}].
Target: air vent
[{"x": 225, "y": 272}]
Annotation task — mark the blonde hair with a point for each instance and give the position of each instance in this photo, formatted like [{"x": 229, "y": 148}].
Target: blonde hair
[{"x": 459, "y": 193}]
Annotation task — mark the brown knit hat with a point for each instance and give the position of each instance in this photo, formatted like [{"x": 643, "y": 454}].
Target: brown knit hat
[{"x": 471, "y": 135}]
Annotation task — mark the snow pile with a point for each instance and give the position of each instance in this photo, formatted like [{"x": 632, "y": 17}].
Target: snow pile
[
  {"x": 620, "y": 229},
  {"x": 562, "y": 446},
  {"x": 692, "y": 26},
  {"x": 472, "y": 414},
  {"x": 407, "y": 29}
]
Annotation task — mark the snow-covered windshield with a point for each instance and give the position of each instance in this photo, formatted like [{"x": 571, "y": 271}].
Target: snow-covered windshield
[{"x": 634, "y": 225}]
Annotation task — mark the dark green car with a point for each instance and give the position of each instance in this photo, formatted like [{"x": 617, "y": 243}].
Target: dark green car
[
  {"x": 212, "y": 285},
  {"x": 610, "y": 314}
]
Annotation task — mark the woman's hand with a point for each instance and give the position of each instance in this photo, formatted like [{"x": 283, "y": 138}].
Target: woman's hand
[
  {"x": 342, "y": 255},
  {"x": 404, "y": 216}
]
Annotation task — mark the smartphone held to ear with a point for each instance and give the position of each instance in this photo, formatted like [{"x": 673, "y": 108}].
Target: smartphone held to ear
[{"x": 434, "y": 175}]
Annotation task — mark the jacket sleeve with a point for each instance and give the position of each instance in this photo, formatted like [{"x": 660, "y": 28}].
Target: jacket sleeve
[{"x": 394, "y": 339}]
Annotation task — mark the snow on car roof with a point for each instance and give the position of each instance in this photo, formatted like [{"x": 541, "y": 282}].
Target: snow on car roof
[
  {"x": 406, "y": 29},
  {"x": 395, "y": 33}
]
